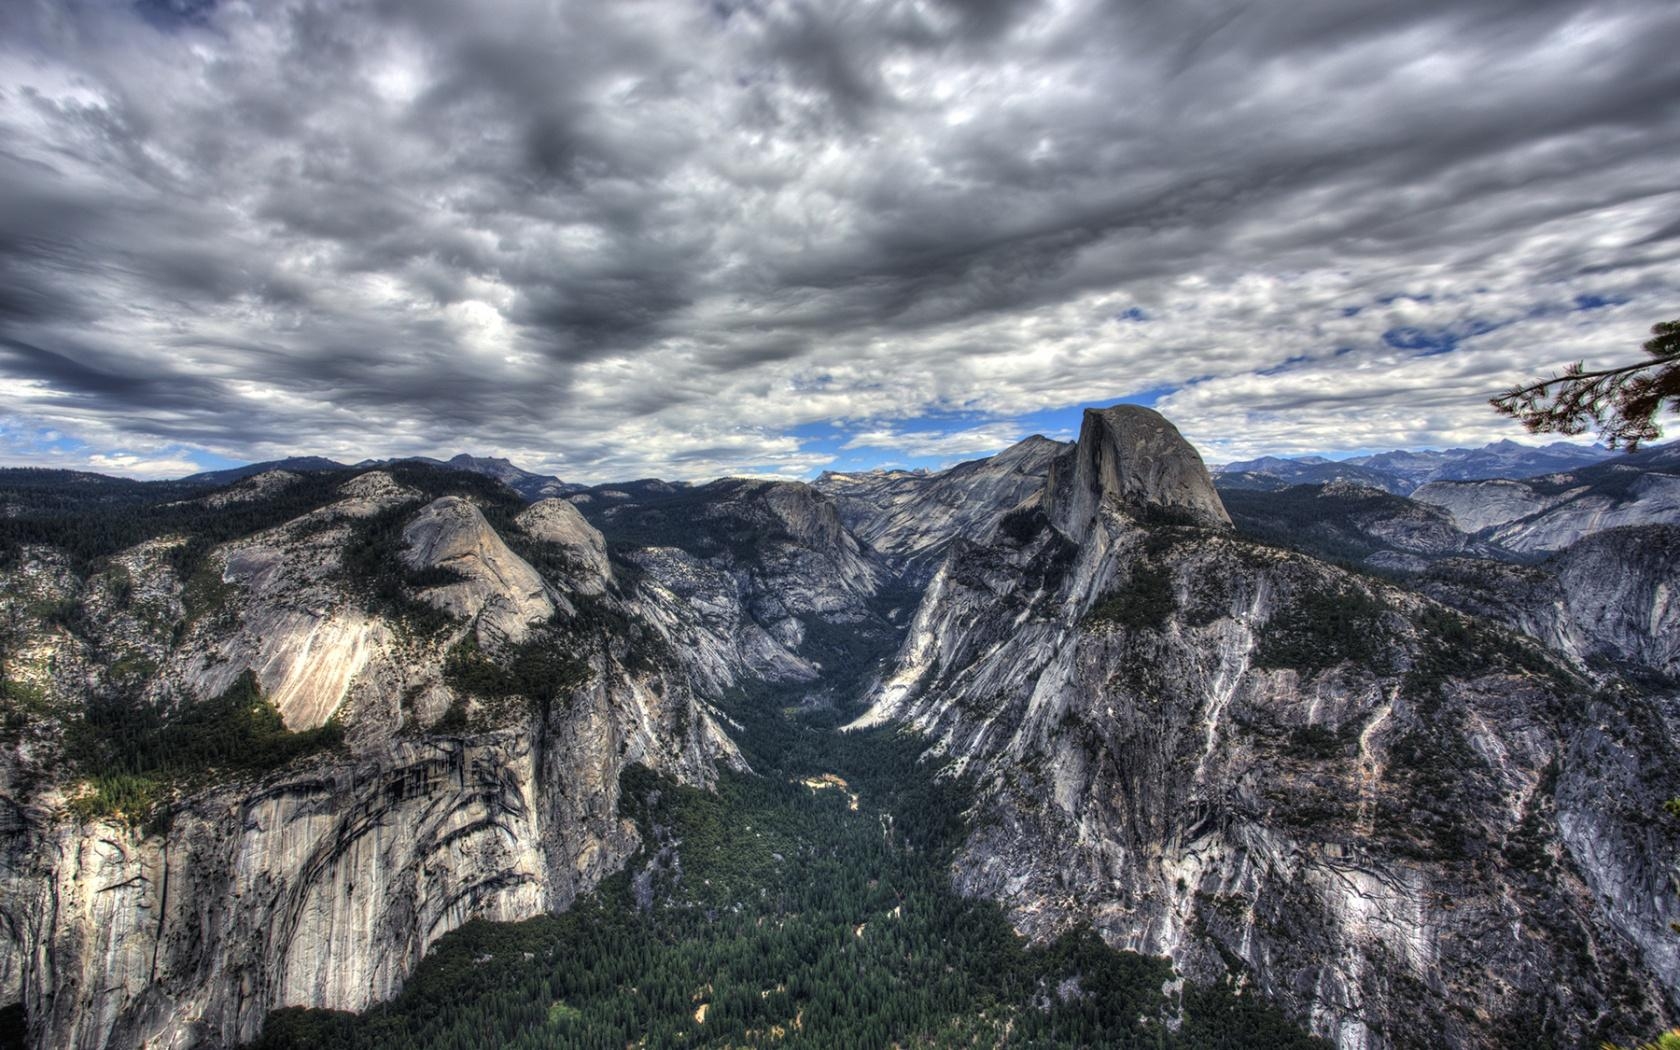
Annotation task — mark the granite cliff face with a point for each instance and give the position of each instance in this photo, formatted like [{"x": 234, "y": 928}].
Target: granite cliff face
[
  {"x": 1607, "y": 601},
  {"x": 1548, "y": 513},
  {"x": 494, "y": 588},
  {"x": 320, "y": 881},
  {"x": 740, "y": 573},
  {"x": 559, "y": 524},
  {"x": 1131, "y": 458},
  {"x": 912, "y": 517},
  {"x": 1406, "y": 826}
]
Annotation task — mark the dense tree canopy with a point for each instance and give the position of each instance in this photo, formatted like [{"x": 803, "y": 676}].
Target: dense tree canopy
[{"x": 771, "y": 912}]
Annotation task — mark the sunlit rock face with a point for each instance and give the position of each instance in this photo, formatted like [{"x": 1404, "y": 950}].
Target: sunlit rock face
[
  {"x": 560, "y": 524},
  {"x": 1548, "y": 513},
  {"x": 739, "y": 571},
  {"x": 496, "y": 586},
  {"x": 321, "y": 888},
  {"x": 1129, "y": 456},
  {"x": 321, "y": 883},
  {"x": 1611, "y": 600},
  {"x": 1404, "y": 827},
  {"x": 279, "y": 609},
  {"x": 253, "y": 488},
  {"x": 911, "y": 517}
]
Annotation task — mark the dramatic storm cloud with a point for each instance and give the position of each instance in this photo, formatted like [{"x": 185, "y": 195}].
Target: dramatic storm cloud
[{"x": 687, "y": 238}]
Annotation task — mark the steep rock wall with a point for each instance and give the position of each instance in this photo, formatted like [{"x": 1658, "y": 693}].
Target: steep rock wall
[
  {"x": 1610, "y": 601},
  {"x": 1380, "y": 815},
  {"x": 323, "y": 882}
]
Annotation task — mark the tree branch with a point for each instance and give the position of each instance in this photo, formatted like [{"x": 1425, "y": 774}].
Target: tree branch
[{"x": 1599, "y": 374}]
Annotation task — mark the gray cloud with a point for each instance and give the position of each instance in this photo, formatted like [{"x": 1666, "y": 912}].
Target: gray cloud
[{"x": 654, "y": 237}]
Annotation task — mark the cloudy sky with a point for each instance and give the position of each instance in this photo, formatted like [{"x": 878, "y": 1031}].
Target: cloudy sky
[{"x": 693, "y": 237}]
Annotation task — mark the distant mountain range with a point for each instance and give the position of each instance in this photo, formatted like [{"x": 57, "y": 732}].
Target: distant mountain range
[
  {"x": 295, "y": 464},
  {"x": 531, "y": 486},
  {"x": 1401, "y": 471},
  {"x": 1355, "y": 519}
]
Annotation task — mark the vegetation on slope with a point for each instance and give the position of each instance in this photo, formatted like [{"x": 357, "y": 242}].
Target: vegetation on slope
[
  {"x": 134, "y": 753},
  {"x": 1320, "y": 628},
  {"x": 1145, "y": 600},
  {"x": 1333, "y": 525},
  {"x": 655, "y": 514},
  {"x": 770, "y": 912},
  {"x": 773, "y": 913},
  {"x": 538, "y": 672}
]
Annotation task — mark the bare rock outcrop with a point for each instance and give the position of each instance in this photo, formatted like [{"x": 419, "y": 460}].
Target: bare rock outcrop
[
  {"x": 1609, "y": 601},
  {"x": 320, "y": 881},
  {"x": 1548, "y": 513},
  {"x": 738, "y": 570},
  {"x": 911, "y": 517},
  {"x": 495, "y": 586},
  {"x": 1376, "y": 812},
  {"x": 559, "y": 524},
  {"x": 1132, "y": 456}
]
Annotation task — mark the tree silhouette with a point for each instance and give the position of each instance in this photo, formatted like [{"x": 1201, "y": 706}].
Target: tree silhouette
[{"x": 1620, "y": 403}]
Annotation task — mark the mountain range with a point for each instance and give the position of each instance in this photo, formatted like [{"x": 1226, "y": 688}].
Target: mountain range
[
  {"x": 1401, "y": 471},
  {"x": 1077, "y": 744},
  {"x": 1398, "y": 471},
  {"x": 530, "y": 486}
]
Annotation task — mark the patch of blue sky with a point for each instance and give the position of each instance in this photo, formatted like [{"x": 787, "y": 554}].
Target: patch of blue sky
[
  {"x": 1599, "y": 302},
  {"x": 1583, "y": 303},
  {"x": 41, "y": 441},
  {"x": 30, "y": 444},
  {"x": 827, "y": 438},
  {"x": 209, "y": 460},
  {"x": 1285, "y": 365},
  {"x": 1427, "y": 342},
  {"x": 1062, "y": 423}
]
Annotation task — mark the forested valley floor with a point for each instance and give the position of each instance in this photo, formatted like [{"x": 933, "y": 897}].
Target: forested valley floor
[{"x": 807, "y": 904}]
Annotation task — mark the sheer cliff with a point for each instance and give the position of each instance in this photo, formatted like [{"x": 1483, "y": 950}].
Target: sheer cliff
[
  {"x": 448, "y": 725},
  {"x": 1607, "y": 601},
  {"x": 1406, "y": 825},
  {"x": 911, "y": 517},
  {"x": 757, "y": 580}
]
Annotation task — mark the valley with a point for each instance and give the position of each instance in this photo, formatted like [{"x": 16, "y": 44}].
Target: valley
[
  {"x": 771, "y": 914},
  {"x": 1075, "y": 745}
]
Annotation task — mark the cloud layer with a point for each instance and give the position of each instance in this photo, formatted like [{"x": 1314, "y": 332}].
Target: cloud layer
[{"x": 661, "y": 236}]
